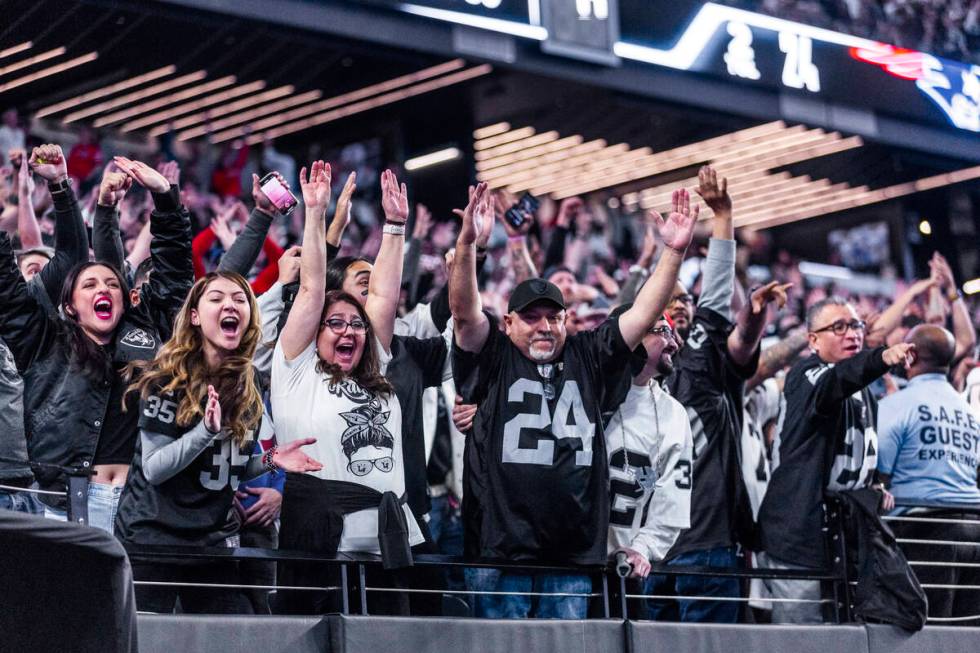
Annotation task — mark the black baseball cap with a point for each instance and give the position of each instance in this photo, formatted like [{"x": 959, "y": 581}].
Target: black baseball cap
[{"x": 534, "y": 290}]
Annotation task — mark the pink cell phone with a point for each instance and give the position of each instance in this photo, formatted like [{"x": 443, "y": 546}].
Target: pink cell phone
[{"x": 279, "y": 195}]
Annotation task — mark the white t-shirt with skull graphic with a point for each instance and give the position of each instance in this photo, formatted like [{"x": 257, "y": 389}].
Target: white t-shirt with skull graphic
[{"x": 359, "y": 436}]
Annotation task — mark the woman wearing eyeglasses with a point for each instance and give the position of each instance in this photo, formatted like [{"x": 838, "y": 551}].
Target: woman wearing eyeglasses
[{"x": 328, "y": 379}]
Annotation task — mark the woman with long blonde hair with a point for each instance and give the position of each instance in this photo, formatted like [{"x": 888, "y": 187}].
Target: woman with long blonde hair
[{"x": 200, "y": 413}]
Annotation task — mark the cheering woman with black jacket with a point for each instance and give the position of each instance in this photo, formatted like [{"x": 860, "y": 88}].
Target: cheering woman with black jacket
[{"x": 73, "y": 366}]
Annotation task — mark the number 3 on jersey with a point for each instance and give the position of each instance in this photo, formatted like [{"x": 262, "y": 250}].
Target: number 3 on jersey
[{"x": 569, "y": 405}]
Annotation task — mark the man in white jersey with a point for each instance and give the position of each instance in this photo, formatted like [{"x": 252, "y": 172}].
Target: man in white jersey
[{"x": 650, "y": 447}]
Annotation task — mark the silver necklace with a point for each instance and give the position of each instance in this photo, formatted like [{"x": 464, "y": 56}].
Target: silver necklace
[{"x": 627, "y": 470}]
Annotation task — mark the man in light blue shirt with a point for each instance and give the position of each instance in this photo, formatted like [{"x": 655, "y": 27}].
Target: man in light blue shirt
[{"x": 929, "y": 447}]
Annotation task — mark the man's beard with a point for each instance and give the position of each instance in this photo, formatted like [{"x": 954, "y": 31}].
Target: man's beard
[{"x": 540, "y": 355}]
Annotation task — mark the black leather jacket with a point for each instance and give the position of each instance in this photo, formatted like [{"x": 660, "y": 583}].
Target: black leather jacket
[{"x": 64, "y": 409}]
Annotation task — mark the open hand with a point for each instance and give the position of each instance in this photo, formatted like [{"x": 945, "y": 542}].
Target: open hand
[
  {"x": 394, "y": 198},
  {"x": 316, "y": 190},
  {"x": 569, "y": 208},
  {"x": 289, "y": 457},
  {"x": 212, "y": 412},
  {"x": 423, "y": 222},
  {"x": 170, "y": 171},
  {"x": 678, "y": 229},
  {"x": 143, "y": 174},
  {"x": 475, "y": 217},
  {"x": 49, "y": 162},
  {"x": 341, "y": 214},
  {"x": 649, "y": 249},
  {"x": 714, "y": 194}
]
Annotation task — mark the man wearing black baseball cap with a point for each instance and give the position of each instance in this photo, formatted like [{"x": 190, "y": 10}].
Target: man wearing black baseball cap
[{"x": 536, "y": 484}]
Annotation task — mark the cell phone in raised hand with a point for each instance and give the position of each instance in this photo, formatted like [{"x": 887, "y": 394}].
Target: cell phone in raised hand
[
  {"x": 278, "y": 194},
  {"x": 517, "y": 214}
]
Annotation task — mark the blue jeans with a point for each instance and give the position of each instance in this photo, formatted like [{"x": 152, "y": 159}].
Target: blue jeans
[
  {"x": 21, "y": 502},
  {"x": 103, "y": 503},
  {"x": 520, "y": 606},
  {"x": 718, "y": 612},
  {"x": 446, "y": 526}
]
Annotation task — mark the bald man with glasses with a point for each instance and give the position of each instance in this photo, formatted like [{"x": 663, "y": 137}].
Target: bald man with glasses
[{"x": 826, "y": 442}]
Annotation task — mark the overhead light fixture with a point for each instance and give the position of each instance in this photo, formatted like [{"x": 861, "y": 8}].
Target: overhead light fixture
[
  {"x": 47, "y": 72},
  {"x": 30, "y": 61},
  {"x": 925, "y": 228},
  {"x": 344, "y": 98},
  {"x": 105, "y": 90},
  {"x": 14, "y": 49},
  {"x": 223, "y": 110},
  {"x": 500, "y": 139},
  {"x": 144, "y": 107},
  {"x": 513, "y": 28},
  {"x": 239, "y": 118},
  {"x": 491, "y": 130},
  {"x": 135, "y": 96},
  {"x": 433, "y": 158},
  {"x": 181, "y": 109},
  {"x": 971, "y": 287},
  {"x": 381, "y": 100}
]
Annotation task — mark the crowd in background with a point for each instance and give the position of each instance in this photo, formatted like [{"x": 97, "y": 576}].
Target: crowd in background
[{"x": 598, "y": 260}]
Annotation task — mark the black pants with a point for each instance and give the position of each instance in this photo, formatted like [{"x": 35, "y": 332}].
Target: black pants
[
  {"x": 945, "y": 602},
  {"x": 193, "y": 600},
  {"x": 258, "y": 572}
]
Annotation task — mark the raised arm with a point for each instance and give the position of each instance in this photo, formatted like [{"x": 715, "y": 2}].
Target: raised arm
[
  {"x": 471, "y": 326},
  {"x": 751, "y": 321},
  {"x": 70, "y": 237},
  {"x": 25, "y": 327},
  {"x": 304, "y": 318},
  {"x": 341, "y": 213},
  {"x": 384, "y": 289},
  {"x": 891, "y": 317},
  {"x": 676, "y": 233},
  {"x": 837, "y": 382},
  {"x": 413, "y": 252},
  {"x": 106, "y": 239},
  {"x": 718, "y": 284},
  {"x": 963, "y": 331},
  {"x": 27, "y": 227},
  {"x": 520, "y": 257},
  {"x": 567, "y": 210},
  {"x": 170, "y": 247},
  {"x": 778, "y": 356},
  {"x": 245, "y": 250}
]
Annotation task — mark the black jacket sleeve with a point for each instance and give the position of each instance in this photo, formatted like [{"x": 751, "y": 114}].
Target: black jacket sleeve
[
  {"x": 243, "y": 253},
  {"x": 106, "y": 240},
  {"x": 430, "y": 355},
  {"x": 70, "y": 242},
  {"x": 834, "y": 383},
  {"x": 24, "y": 324},
  {"x": 173, "y": 268},
  {"x": 439, "y": 308}
]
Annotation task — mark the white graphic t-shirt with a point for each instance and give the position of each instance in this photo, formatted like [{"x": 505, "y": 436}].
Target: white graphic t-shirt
[{"x": 359, "y": 436}]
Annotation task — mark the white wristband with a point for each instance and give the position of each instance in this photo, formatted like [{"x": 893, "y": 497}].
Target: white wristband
[{"x": 394, "y": 229}]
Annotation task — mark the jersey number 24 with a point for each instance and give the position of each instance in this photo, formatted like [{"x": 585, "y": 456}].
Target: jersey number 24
[{"x": 569, "y": 405}]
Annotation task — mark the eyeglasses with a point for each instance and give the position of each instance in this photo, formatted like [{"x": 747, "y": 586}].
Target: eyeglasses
[
  {"x": 338, "y": 325},
  {"x": 684, "y": 299},
  {"x": 363, "y": 467},
  {"x": 664, "y": 331},
  {"x": 840, "y": 327}
]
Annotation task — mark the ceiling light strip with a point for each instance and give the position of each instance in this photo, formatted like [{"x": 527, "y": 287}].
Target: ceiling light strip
[
  {"x": 181, "y": 109},
  {"x": 381, "y": 100},
  {"x": 491, "y": 130},
  {"x": 500, "y": 139},
  {"x": 106, "y": 90},
  {"x": 14, "y": 49},
  {"x": 340, "y": 100},
  {"x": 135, "y": 96},
  {"x": 169, "y": 99},
  {"x": 30, "y": 61},
  {"x": 47, "y": 72},
  {"x": 239, "y": 118},
  {"x": 223, "y": 110}
]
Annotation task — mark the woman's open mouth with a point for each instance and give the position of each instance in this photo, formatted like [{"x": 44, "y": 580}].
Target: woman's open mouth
[
  {"x": 103, "y": 308},
  {"x": 229, "y": 325},
  {"x": 345, "y": 351}
]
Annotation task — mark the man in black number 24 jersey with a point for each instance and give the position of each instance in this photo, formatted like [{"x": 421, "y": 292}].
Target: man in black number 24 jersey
[{"x": 536, "y": 479}]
